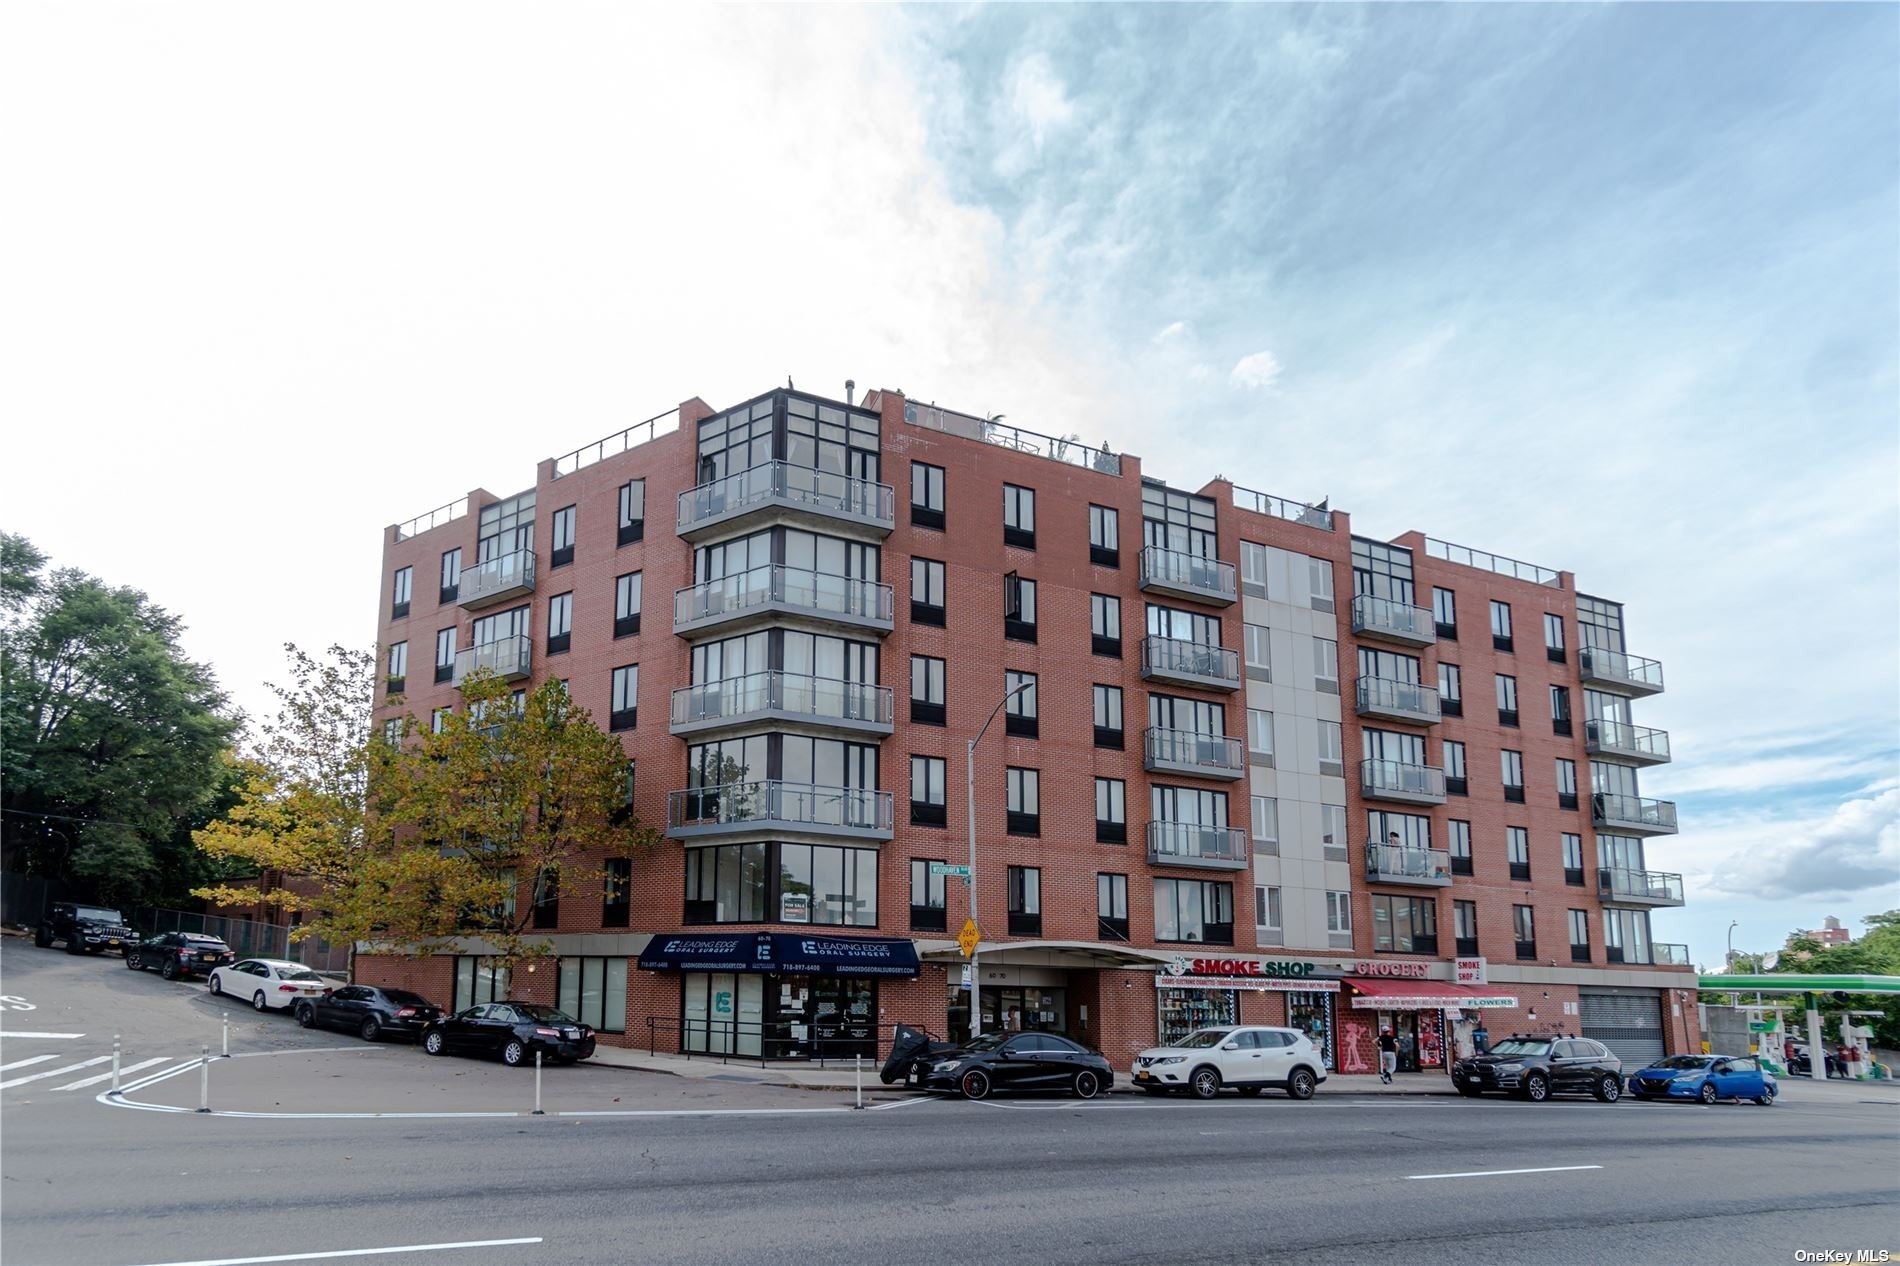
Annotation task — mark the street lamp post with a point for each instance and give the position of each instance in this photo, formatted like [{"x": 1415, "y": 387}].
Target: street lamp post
[{"x": 969, "y": 806}]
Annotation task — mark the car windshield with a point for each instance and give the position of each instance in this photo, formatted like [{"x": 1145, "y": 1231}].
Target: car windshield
[
  {"x": 203, "y": 942},
  {"x": 1682, "y": 1062},
  {"x": 1520, "y": 1046},
  {"x": 546, "y": 1015},
  {"x": 1202, "y": 1038},
  {"x": 98, "y": 914},
  {"x": 403, "y": 997},
  {"x": 986, "y": 1041}
]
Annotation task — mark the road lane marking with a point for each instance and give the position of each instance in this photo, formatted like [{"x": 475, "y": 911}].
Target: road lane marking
[
  {"x": 22, "y": 1063},
  {"x": 5, "y": 1035},
  {"x": 54, "y": 1072},
  {"x": 151, "y": 1078},
  {"x": 1493, "y": 1173},
  {"x": 93, "y": 1081},
  {"x": 354, "y": 1252}
]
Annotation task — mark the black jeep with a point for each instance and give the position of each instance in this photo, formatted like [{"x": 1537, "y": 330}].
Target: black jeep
[{"x": 85, "y": 929}]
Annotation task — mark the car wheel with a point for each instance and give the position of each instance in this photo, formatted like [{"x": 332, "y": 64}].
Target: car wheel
[
  {"x": 1251, "y": 1092},
  {"x": 43, "y": 939},
  {"x": 134, "y": 961},
  {"x": 259, "y": 1003},
  {"x": 975, "y": 1084},
  {"x": 169, "y": 969},
  {"x": 515, "y": 1053},
  {"x": 372, "y": 1029},
  {"x": 1301, "y": 1084},
  {"x": 1766, "y": 1098},
  {"x": 306, "y": 1016},
  {"x": 1536, "y": 1087},
  {"x": 1707, "y": 1093},
  {"x": 1086, "y": 1085},
  {"x": 216, "y": 986},
  {"x": 1205, "y": 1083},
  {"x": 74, "y": 945},
  {"x": 1609, "y": 1088},
  {"x": 432, "y": 1042}
]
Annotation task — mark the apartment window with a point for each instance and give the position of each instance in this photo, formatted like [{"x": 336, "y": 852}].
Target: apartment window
[
  {"x": 449, "y": 586},
  {"x": 1579, "y": 936},
  {"x": 1332, "y": 751},
  {"x": 1108, "y": 717},
  {"x": 444, "y": 655},
  {"x": 1399, "y": 830},
  {"x": 593, "y": 991},
  {"x": 627, "y": 604},
  {"x": 1105, "y": 536},
  {"x": 927, "y": 804},
  {"x": 1524, "y": 927},
  {"x": 1445, "y": 613},
  {"x": 1111, "y": 811},
  {"x": 1177, "y": 521},
  {"x": 1458, "y": 833},
  {"x": 545, "y": 912},
  {"x": 928, "y": 908},
  {"x": 1451, "y": 691},
  {"x": 782, "y": 883},
  {"x": 1319, "y": 575},
  {"x": 392, "y": 731},
  {"x": 1566, "y": 783},
  {"x": 1019, "y": 608},
  {"x": 1455, "y": 779},
  {"x": 398, "y": 667},
  {"x": 1404, "y": 925},
  {"x": 926, "y": 591},
  {"x": 1111, "y": 907},
  {"x": 1019, "y": 712},
  {"x": 1554, "y": 637},
  {"x": 1266, "y": 908},
  {"x": 625, "y": 711},
  {"x": 1024, "y": 807},
  {"x": 563, "y": 537},
  {"x": 1326, "y": 665},
  {"x": 926, "y": 690},
  {"x": 1264, "y": 825},
  {"x": 1560, "y": 710},
  {"x": 1573, "y": 859},
  {"x": 1464, "y": 921},
  {"x": 1384, "y": 571},
  {"x": 1259, "y": 652},
  {"x": 1517, "y": 849},
  {"x": 560, "y": 622},
  {"x": 1105, "y": 625},
  {"x": 1511, "y": 773},
  {"x": 1194, "y": 910},
  {"x": 633, "y": 512},
  {"x": 1259, "y": 737},
  {"x": 478, "y": 981},
  {"x": 1253, "y": 569},
  {"x": 399, "y": 593},
  {"x": 1332, "y": 831},
  {"x": 1019, "y": 516},
  {"x": 439, "y": 720},
  {"x": 616, "y": 898},
  {"x": 926, "y": 495},
  {"x": 1339, "y": 913},
  {"x": 1025, "y": 901},
  {"x": 1500, "y": 625},
  {"x": 625, "y": 809},
  {"x": 1507, "y": 700}
]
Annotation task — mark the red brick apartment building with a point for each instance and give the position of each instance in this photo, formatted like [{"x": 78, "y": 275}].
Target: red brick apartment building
[{"x": 1252, "y": 767}]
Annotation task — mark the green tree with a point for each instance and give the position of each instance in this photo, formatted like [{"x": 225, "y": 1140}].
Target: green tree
[
  {"x": 110, "y": 737},
  {"x": 1875, "y": 952}
]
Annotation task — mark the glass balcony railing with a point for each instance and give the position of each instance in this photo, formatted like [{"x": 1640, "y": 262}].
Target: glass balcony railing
[
  {"x": 785, "y": 695},
  {"x": 1649, "y": 887},
  {"x": 507, "y": 657},
  {"x": 1635, "y": 743},
  {"x": 1191, "y": 752},
  {"x": 1190, "y": 575},
  {"x": 1397, "y": 864},
  {"x": 1614, "y": 670},
  {"x": 1633, "y": 815},
  {"x": 806, "y": 808},
  {"x": 497, "y": 580},
  {"x": 1192, "y": 663},
  {"x": 1670, "y": 954},
  {"x": 772, "y": 588},
  {"x": 1191, "y": 844},
  {"x": 1392, "y": 621},
  {"x": 1399, "y": 780},
  {"x": 1398, "y": 700},
  {"x": 778, "y": 484}
]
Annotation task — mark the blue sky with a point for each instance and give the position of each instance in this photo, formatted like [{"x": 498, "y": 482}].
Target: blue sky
[{"x": 1612, "y": 289}]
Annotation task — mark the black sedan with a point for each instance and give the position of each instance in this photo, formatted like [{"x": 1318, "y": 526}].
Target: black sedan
[
  {"x": 369, "y": 1012},
  {"x": 1015, "y": 1061},
  {"x": 1539, "y": 1067},
  {"x": 175, "y": 954},
  {"x": 513, "y": 1030}
]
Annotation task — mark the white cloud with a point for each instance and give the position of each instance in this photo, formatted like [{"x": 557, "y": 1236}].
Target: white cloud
[
  {"x": 1039, "y": 98},
  {"x": 1849, "y": 849},
  {"x": 1173, "y": 332},
  {"x": 1255, "y": 372}
]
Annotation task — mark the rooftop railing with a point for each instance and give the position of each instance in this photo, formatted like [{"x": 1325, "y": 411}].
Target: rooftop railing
[
  {"x": 1465, "y": 556},
  {"x": 433, "y": 519},
  {"x": 1281, "y": 508},
  {"x": 1069, "y": 450},
  {"x": 619, "y": 442}
]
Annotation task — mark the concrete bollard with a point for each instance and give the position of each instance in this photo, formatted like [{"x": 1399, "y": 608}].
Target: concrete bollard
[
  {"x": 115, "y": 1065},
  {"x": 204, "y": 1081},
  {"x": 537, "y": 1085}
]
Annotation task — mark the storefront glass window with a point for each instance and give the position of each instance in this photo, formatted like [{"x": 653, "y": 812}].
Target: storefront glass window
[
  {"x": 1312, "y": 1014},
  {"x": 1181, "y": 1011}
]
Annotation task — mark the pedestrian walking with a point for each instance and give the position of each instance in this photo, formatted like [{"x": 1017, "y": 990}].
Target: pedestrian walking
[{"x": 1388, "y": 1055}]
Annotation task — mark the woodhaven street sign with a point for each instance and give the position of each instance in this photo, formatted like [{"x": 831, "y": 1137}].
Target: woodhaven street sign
[{"x": 948, "y": 868}]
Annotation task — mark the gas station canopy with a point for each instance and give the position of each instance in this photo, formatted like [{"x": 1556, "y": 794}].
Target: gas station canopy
[{"x": 1791, "y": 982}]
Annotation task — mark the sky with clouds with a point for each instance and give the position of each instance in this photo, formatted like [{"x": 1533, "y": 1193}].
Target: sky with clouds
[{"x": 1612, "y": 289}]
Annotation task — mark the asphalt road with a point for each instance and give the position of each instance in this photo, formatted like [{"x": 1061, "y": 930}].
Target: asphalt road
[{"x": 1339, "y": 1179}]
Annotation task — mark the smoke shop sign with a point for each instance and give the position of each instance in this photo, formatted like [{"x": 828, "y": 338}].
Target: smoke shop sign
[
  {"x": 1271, "y": 975},
  {"x": 1404, "y": 971}
]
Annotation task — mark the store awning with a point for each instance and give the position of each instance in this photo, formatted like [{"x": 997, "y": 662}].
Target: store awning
[
  {"x": 782, "y": 952},
  {"x": 1424, "y": 995}
]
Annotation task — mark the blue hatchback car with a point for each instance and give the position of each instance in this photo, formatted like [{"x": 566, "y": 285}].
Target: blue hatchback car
[{"x": 1704, "y": 1079}]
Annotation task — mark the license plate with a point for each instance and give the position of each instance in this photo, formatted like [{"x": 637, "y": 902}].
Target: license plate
[
  {"x": 1473, "y": 1077},
  {"x": 207, "y": 958},
  {"x": 1141, "y": 1074},
  {"x": 113, "y": 940}
]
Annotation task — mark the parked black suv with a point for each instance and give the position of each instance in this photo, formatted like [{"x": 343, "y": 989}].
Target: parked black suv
[
  {"x": 85, "y": 929},
  {"x": 1539, "y": 1067},
  {"x": 177, "y": 954}
]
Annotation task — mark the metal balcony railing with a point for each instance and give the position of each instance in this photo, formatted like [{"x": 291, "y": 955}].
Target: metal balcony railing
[
  {"x": 786, "y": 695},
  {"x": 498, "y": 579},
  {"x": 1399, "y": 780},
  {"x": 1191, "y": 752},
  {"x": 1633, "y": 815},
  {"x": 1191, "y": 844},
  {"x": 782, "y": 484},
  {"x": 796, "y": 589},
  {"x": 1670, "y": 954},
  {"x": 1397, "y": 864},
  {"x": 1650, "y": 887},
  {"x": 859, "y": 812},
  {"x": 1614, "y": 670},
  {"x": 1194, "y": 663},
  {"x": 1398, "y": 700},
  {"x": 1178, "y": 572},
  {"x": 1636, "y": 743},
  {"x": 1392, "y": 621},
  {"x": 507, "y": 657}
]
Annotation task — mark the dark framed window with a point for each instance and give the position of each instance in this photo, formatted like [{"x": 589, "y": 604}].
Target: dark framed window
[
  {"x": 1511, "y": 774},
  {"x": 627, "y": 604},
  {"x": 399, "y": 592},
  {"x": 1445, "y": 614},
  {"x": 1025, "y": 901},
  {"x": 1566, "y": 783},
  {"x": 819, "y": 884},
  {"x": 1553, "y": 637},
  {"x": 926, "y": 690},
  {"x": 560, "y": 622},
  {"x": 1579, "y": 936},
  {"x": 1105, "y": 536},
  {"x": 1451, "y": 691},
  {"x": 1195, "y": 911},
  {"x": 1573, "y": 859},
  {"x": 545, "y": 913},
  {"x": 1524, "y": 928},
  {"x": 444, "y": 655},
  {"x": 616, "y": 898},
  {"x": 1020, "y": 716},
  {"x": 1500, "y": 625},
  {"x": 625, "y": 712},
  {"x": 1507, "y": 700},
  {"x": 593, "y": 991},
  {"x": 1456, "y": 783},
  {"x": 1560, "y": 710},
  {"x": 1464, "y": 918},
  {"x": 1105, "y": 625},
  {"x": 449, "y": 587},
  {"x": 1458, "y": 832},
  {"x": 633, "y": 512},
  {"x": 623, "y": 812},
  {"x": 1111, "y": 811},
  {"x": 928, "y": 907},
  {"x": 1108, "y": 717},
  {"x": 1517, "y": 850},
  {"x": 927, "y": 791},
  {"x": 1404, "y": 925},
  {"x": 398, "y": 669},
  {"x": 926, "y": 495},
  {"x": 926, "y": 591},
  {"x": 1019, "y": 608},
  {"x": 562, "y": 550},
  {"x": 1111, "y": 907},
  {"x": 1023, "y": 814},
  {"x": 1019, "y": 516}
]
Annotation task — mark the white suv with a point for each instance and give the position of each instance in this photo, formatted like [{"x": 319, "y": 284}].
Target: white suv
[{"x": 1248, "y": 1057}]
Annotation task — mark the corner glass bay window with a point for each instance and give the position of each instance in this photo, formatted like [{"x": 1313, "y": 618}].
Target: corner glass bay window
[
  {"x": 782, "y": 883},
  {"x": 1194, "y": 910}
]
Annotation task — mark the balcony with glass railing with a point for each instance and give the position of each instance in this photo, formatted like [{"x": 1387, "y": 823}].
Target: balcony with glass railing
[
  {"x": 1193, "y": 753},
  {"x": 1670, "y": 954},
  {"x": 1192, "y": 844},
  {"x": 497, "y": 580},
  {"x": 779, "y": 491},
  {"x": 1638, "y": 887},
  {"x": 1189, "y": 663},
  {"x": 508, "y": 658},
  {"x": 1397, "y": 864},
  {"x": 1392, "y": 700},
  {"x": 774, "y": 810},
  {"x": 1620, "y": 673},
  {"x": 763, "y": 593},
  {"x": 782, "y": 698},
  {"x": 1633, "y": 815},
  {"x": 1401, "y": 781},
  {"x": 1390, "y": 621},
  {"x": 1636, "y": 744},
  {"x": 1180, "y": 574}
]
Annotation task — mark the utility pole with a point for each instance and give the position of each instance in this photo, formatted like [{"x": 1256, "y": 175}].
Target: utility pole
[{"x": 969, "y": 806}]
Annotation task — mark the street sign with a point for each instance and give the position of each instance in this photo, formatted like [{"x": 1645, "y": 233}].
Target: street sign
[
  {"x": 1763, "y": 1026},
  {"x": 966, "y": 976},
  {"x": 947, "y": 868},
  {"x": 969, "y": 937},
  {"x": 1470, "y": 971}
]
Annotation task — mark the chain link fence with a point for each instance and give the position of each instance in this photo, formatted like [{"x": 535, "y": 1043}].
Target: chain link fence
[{"x": 249, "y": 938}]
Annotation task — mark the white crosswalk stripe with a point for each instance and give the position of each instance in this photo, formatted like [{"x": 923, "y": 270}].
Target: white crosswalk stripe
[
  {"x": 22, "y": 1063},
  {"x": 125, "y": 1070},
  {"x": 53, "y": 1072}
]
